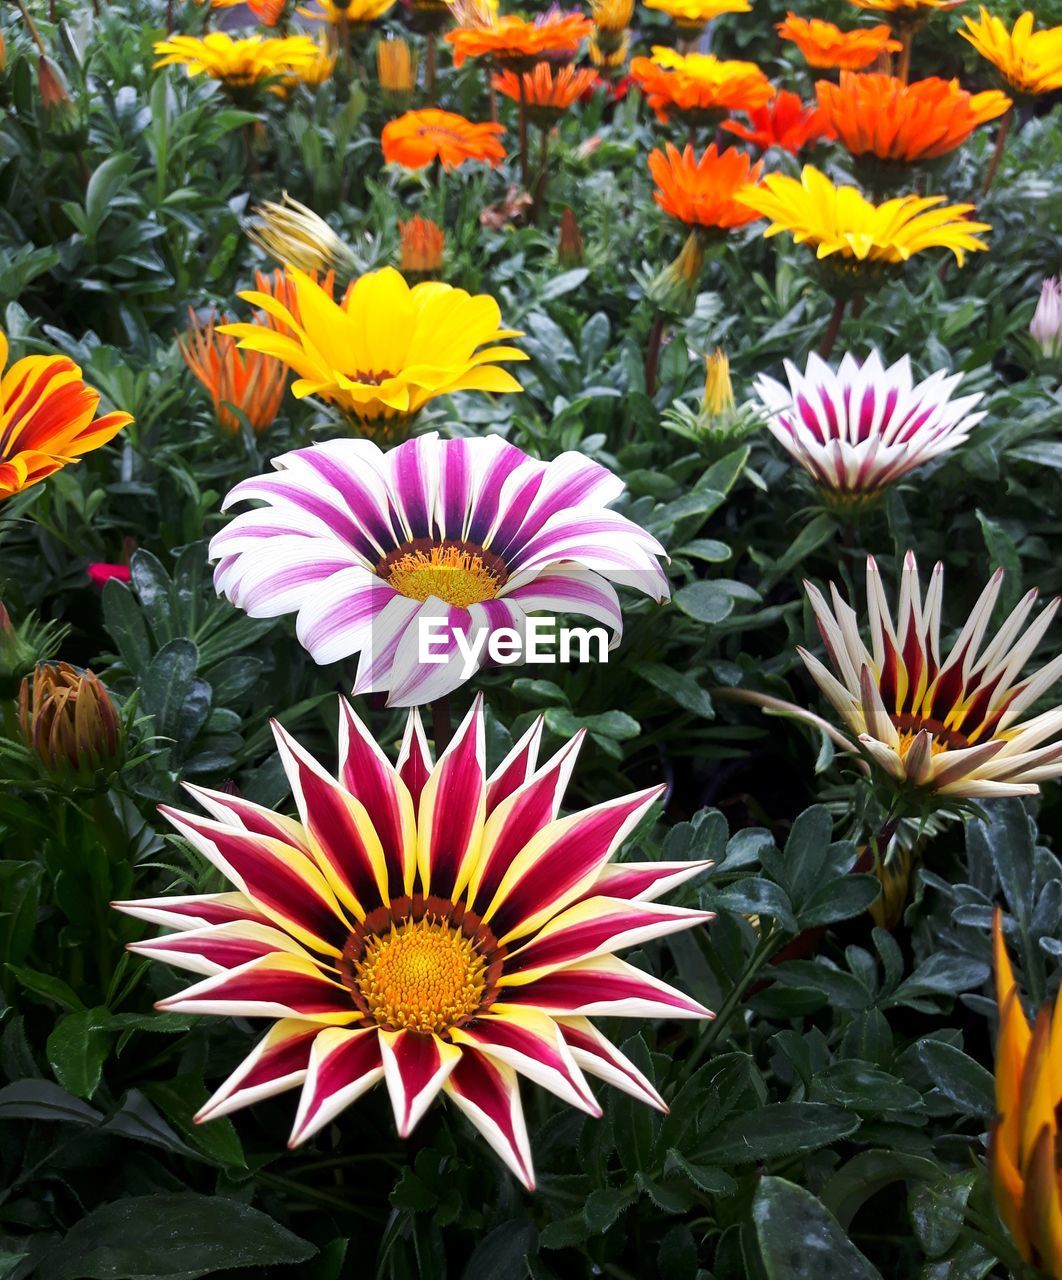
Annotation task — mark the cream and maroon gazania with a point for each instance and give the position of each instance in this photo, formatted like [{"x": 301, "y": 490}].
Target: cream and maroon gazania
[
  {"x": 952, "y": 727},
  {"x": 426, "y": 925}
]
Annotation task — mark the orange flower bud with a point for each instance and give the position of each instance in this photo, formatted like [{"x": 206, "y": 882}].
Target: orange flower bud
[
  {"x": 423, "y": 242},
  {"x": 570, "y": 251},
  {"x": 69, "y": 722}
]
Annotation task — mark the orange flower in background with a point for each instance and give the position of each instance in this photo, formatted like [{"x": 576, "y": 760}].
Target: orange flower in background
[
  {"x": 700, "y": 193},
  {"x": 518, "y": 44},
  {"x": 267, "y": 12},
  {"x": 47, "y": 419},
  {"x": 417, "y": 138},
  {"x": 699, "y": 83},
  {"x": 786, "y": 122},
  {"x": 243, "y": 380},
  {"x": 883, "y": 117},
  {"x": 908, "y": 10},
  {"x": 422, "y": 246},
  {"x": 1023, "y": 1144},
  {"x": 546, "y": 93},
  {"x": 824, "y": 45}
]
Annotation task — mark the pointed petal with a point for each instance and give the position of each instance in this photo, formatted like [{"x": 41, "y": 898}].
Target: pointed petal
[
  {"x": 605, "y": 986},
  {"x": 342, "y": 1066},
  {"x": 276, "y": 1063},
  {"x": 218, "y": 947},
  {"x": 273, "y": 986},
  {"x": 415, "y": 1068},
  {"x": 597, "y": 1055},
  {"x": 645, "y": 881},
  {"x": 489, "y": 1095},
  {"x": 452, "y": 811},
  {"x": 193, "y": 910}
]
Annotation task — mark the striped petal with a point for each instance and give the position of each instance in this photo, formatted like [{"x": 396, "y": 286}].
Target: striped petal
[
  {"x": 488, "y": 1093},
  {"x": 218, "y": 947},
  {"x": 606, "y": 987},
  {"x": 415, "y": 1068},
  {"x": 452, "y": 811},
  {"x": 597, "y": 1055},
  {"x": 277, "y": 1062},
  {"x": 645, "y": 881},
  {"x": 273, "y": 986},
  {"x": 343, "y": 1065},
  {"x": 192, "y": 911},
  {"x": 414, "y": 758},
  {"x": 516, "y": 768}
]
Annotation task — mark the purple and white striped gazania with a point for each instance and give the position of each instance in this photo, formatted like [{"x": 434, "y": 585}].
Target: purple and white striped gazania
[
  {"x": 860, "y": 427},
  {"x": 367, "y": 546}
]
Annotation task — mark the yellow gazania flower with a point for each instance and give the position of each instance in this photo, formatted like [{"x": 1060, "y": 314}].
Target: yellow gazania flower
[
  {"x": 907, "y": 10},
  {"x": 1030, "y": 61},
  {"x": 358, "y": 13},
  {"x": 386, "y": 349},
  {"x": 840, "y": 220},
  {"x": 1024, "y": 1140},
  {"x": 239, "y": 64},
  {"x": 695, "y": 13},
  {"x": 612, "y": 15},
  {"x": 320, "y": 70}
]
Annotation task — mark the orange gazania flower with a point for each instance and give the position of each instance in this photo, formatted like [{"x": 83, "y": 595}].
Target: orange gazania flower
[
  {"x": 699, "y": 193},
  {"x": 1023, "y": 1145},
  {"x": 422, "y": 245},
  {"x": 546, "y": 94},
  {"x": 824, "y": 45},
  {"x": 245, "y": 380},
  {"x": 47, "y": 419},
  {"x": 699, "y": 84},
  {"x": 517, "y": 44},
  {"x": 883, "y": 117},
  {"x": 417, "y": 138},
  {"x": 267, "y": 12},
  {"x": 786, "y": 122},
  {"x": 908, "y": 10}
]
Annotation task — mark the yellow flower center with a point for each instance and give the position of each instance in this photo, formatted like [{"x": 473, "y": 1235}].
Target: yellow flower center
[
  {"x": 422, "y": 976},
  {"x": 458, "y": 575},
  {"x": 943, "y": 739}
]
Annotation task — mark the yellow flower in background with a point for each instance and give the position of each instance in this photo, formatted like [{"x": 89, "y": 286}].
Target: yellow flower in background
[
  {"x": 695, "y": 13},
  {"x": 1030, "y": 61},
  {"x": 840, "y": 220},
  {"x": 612, "y": 15},
  {"x": 358, "y": 13},
  {"x": 386, "y": 349},
  {"x": 1023, "y": 1145},
  {"x": 718, "y": 389},
  {"x": 295, "y": 236},
  {"x": 320, "y": 70},
  {"x": 906, "y": 10},
  {"x": 396, "y": 68},
  {"x": 474, "y": 13},
  {"x": 239, "y": 64}
]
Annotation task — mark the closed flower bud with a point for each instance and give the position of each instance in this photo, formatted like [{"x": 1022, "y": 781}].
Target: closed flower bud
[
  {"x": 397, "y": 70},
  {"x": 423, "y": 242},
  {"x": 295, "y": 236},
  {"x": 1046, "y": 327},
  {"x": 69, "y": 722},
  {"x": 718, "y": 389},
  {"x": 612, "y": 15},
  {"x": 62, "y": 117},
  {"x": 570, "y": 249},
  {"x": 674, "y": 291}
]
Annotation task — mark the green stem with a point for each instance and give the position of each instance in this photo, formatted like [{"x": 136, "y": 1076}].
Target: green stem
[
  {"x": 1002, "y": 134},
  {"x": 766, "y": 948}
]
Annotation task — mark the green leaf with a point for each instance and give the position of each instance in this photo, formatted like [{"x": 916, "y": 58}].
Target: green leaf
[
  {"x": 938, "y": 1209},
  {"x": 179, "y": 1100},
  {"x": 678, "y": 686},
  {"x": 51, "y": 989},
  {"x": 705, "y": 602},
  {"x": 800, "y": 1239},
  {"x": 125, "y": 625},
  {"x": 166, "y": 685},
  {"x": 757, "y": 897},
  {"x": 604, "y": 1206},
  {"x": 77, "y": 1050},
  {"x": 866, "y": 1174},
  {"x": 172, "y": 1237},
  {"x": 959, "y": 1078},
  {"x": 43, "y": 1100},
  {"x": 775, "y": 1130}
]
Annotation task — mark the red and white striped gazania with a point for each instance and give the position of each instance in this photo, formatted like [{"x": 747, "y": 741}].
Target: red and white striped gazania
[
  {"x": 952, "y": 726},
  {"x": 471, "y": 535},
  {"x": 426, "y": 925},
  {"x": 862, "y": 426}
]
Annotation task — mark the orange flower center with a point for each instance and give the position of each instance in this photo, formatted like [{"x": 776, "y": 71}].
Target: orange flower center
[
  {"x": 944, "y": 739},
  {"x": 460, "y": 575},
  {"x": 423, "y": 976}
]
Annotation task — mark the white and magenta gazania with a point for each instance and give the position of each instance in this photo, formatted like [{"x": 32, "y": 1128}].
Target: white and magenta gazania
[
  {"x": 469, "y": 535},
  {"x": 426, "y": 925},
  {"x": 1046, "y": 326},
  {"x": 861, "y": 426},
  {"x": 952, "y": 726}
]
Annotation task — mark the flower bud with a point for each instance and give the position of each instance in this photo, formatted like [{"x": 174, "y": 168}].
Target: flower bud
[
  {"x": 674, "y": 291},
  {"x": 1046, "y": 327},
  {"x": 63, "y": 120},
  {"x": 69, "y": 722},
  {"x": 570, "y": 248},
  {"x": 396, "y": 68},
  {"x": 295, "y": 236},
  {"x": 423, "y": 242},
  {"x": 718, "y": 389}
]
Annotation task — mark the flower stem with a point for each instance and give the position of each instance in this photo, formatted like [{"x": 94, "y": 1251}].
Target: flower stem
[
  {"x": 525, "y": 166},
  {"x": 32, "y": 27},
  {"x": 766, "y": 948},
  {"x": 542, "y": 178},
  {"x": 652, "y": 354},
  {"x": 1002, "y": 133},
  {"x": 441, "y": 724},
  {"x": 907, "y": 38},
  {"x": 833, "y": 328},
  {"x": 430, "y": 59}
]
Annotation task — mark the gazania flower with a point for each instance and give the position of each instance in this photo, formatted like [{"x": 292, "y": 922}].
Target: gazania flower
[
  {"x": 1046, "y": 327},
  {"x": 319, "y": 71},
  {"x": 425, "y": 925},
  {"x": 47, "y": 419},
  {"x": 613, "y": 16},
  {"x": 908, "y": 10},
  {"x": 1030, "y": 61},
  {"x": 784, "y": 122},
  {"x": 695, "y": 13},
  {"x": 422, "y": 245},
  {"x": 840, "y": 221},
  {"x": 880, "y": 116},
  {"x": 546, "y": 94},
  {"x": 246, "y": 381},
  {"x": 279, "y": 286},
  {"x": 825, "y": 45},
  {"x": 100, "y": 573},
  {"x": 240, "y": 64},
  {"x": 1023, "y": 1146},
  {"x": 417, "y": 138},
  {"x": 517, "y": 45},
  {"x": 700, "y": 193},
  {"x": 387, "y": 349},
  {"x": 358, "y": 13},
  {"x": 699, "y": 86},
  {"x": 860, "y": 427},
  {"x": 396, "y": 69},
  {"x": 267, "y": 12},
  {"x": 369, "y": 547},
  {"x": 952, "y": 727},
  {"x": 293, "y": 235}
]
